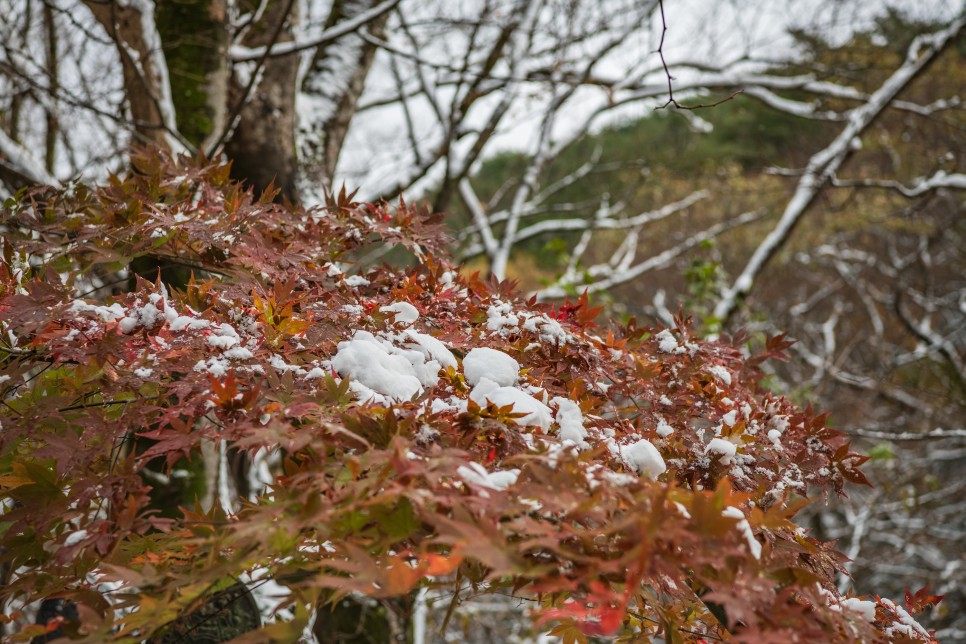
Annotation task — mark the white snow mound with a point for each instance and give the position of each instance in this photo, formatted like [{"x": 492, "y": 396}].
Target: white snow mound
[
  {"x": 405, "y": 312},
  {"x": 643, "y": 458},
  {"x": 368, "y": 362},
  {"x": 494, "y": 365},
  {"x": 535, "y": 412}
]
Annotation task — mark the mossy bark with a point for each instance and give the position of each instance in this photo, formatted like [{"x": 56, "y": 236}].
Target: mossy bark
[{"x": 194, "y": 37}]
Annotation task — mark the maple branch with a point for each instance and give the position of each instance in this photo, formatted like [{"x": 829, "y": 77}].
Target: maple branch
[
  {"x": 680, "y": 629},
  {"x": 105, "y": 403}
]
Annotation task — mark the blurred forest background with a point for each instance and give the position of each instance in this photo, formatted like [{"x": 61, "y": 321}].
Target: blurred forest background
[{"x": 812, "y": 181}]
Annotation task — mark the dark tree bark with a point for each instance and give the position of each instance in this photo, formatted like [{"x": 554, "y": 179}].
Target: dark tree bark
[{"x": 262, "y": 145}]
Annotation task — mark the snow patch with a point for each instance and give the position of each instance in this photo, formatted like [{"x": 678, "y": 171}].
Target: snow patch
[
  {"x": 745, "y": 528},
  {"x": 405, "y": 312},
  {"x": 664, "y": 429},
  {"x": 721, "y": 373},
  {"x": 105, "y": 313},
  {"x": 355, "y": 281},
  {"x": 548, "y": 329},
  {"x": 224, "y": 336},
  {"x": 377, "y": 368},
  {"x": 426, "y": 434},
  {"x": 726, "y": 449},
  {"x": 499, "y": 316},
  {"x": 432, "y": 347},
  {"x": 571, "y": 422},
  {"x": 238, "y": 353},
  {"x": 644, "y": 459},
  {"x": 183, "y": 322},
  {"x": 864, "y": 607},
  {"x": 439, "y": 405},
  {"x": 217, "y": 367},
  {"x": 476, "y": 474},
  {"x": 908, "y": 626},
  {"x": 775, "y": 437},
  {"x": 148, "y": 314},
  {"x": 491, "y": 364},
  {"x": 534, "y": 412},
  {"x": 315, "y": 374},
  {"x": 279, "y": 364},
  {"x": 667, "y": 343}
]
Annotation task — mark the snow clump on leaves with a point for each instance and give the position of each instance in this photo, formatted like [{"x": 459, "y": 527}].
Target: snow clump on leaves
[{"x": 403, "y": 429}]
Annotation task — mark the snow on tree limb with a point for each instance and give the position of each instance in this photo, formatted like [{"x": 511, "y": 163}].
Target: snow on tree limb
[
  {"x": 935, "y": 434},
  {"x": 917, "y": 187},
  {"x": 241, "y": 54},
  {"x": 15, "y": 158},
  {"x": 824, "y": 164},
  {"x": 620, "y": 269}
]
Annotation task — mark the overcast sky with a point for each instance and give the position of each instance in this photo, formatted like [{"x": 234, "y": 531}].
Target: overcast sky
[{"x": 715, "y": 31}]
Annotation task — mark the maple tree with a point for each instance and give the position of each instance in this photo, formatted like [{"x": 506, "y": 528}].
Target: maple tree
[{"x": 402, "y": 428}]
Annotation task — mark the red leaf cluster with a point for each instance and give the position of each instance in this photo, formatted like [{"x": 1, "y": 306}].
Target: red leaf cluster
[{"x": 403, "y": 427}]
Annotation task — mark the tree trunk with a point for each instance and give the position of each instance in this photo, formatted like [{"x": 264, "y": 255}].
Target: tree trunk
[
  {"x": 194, "y": 37},
  {"x": 145, "y": 74},
  {"x": 335, "y": 81},
  {"x": 262, "y": 146}
]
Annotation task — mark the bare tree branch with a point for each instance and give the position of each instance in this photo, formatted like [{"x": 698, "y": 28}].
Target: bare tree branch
[
  {"x": 18, "y": 168},
  {"x": 918, "y": 187},
  {"x": 242, "y": 54},
  {"x": 936, "y": 434},
  {"x": 823, "y": 165}
]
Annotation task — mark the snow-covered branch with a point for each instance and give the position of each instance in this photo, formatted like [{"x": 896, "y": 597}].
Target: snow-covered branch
[
  {"x": 472, "y": 203},
  {"x": 935, "y": 434},
  {"x": 24, "y": 168},
  {"x": 242, "y": 54},
  {"x": 620, "y": 269},
  {"x": 919, "y": 186},
  {"x": 824, "y": 164},
  {"x": 610, "y": 223},
  {"x": 546, "y": 149}
]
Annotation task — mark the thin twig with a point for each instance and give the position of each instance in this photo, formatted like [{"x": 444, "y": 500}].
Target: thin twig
[
  {"x": 680, "y": 628},
  {"x": 105, "y": 403},
  {"x": 667, "y": 72}
]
